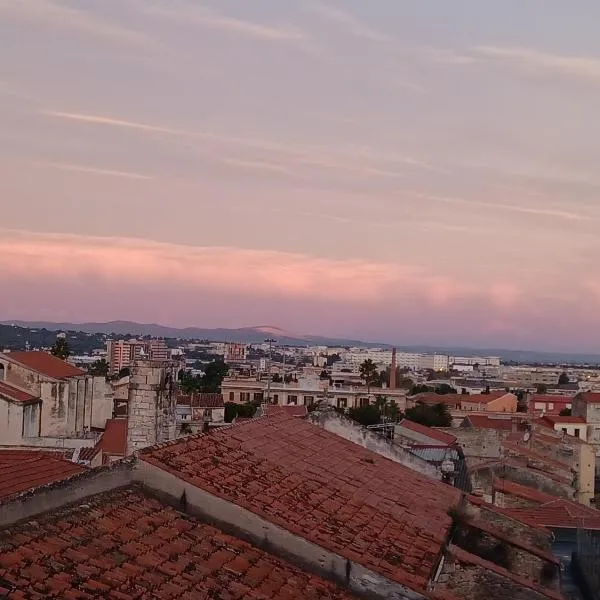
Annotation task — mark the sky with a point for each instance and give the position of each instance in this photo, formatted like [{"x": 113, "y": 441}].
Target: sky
[{"x": 415, "y": 171}]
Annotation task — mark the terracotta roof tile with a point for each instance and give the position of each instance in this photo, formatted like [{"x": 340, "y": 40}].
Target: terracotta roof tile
[
  {"x": 484, "y": 398},
  {"x": 13, "y": 394},
  {"x": 46, "y": 364},
  {"x": 124, "y": 545},
  {"x": 557, "y": 420},
  {"x": 290, "y": 410},
  {"x": 201, "y": 400},
  {"x": 521, "y": 491},
  {"x": 88, "y": 453},
  {"x": 430, "y": 432},
  {"x": 23, "y": 470},
  {"x": 431, "y": 399},
  {"x": 589, "y": 397},
  {"x": 114, "y": 438},
  {"x": 498, "y": 423},
  {"x": 323, "y": 488},
  {"x": 559, "y": 513}
]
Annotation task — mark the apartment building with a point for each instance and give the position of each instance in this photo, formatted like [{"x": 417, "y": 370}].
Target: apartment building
[
  {"x": 306, "y": 393},
  {"x": 122, "y": 353}
]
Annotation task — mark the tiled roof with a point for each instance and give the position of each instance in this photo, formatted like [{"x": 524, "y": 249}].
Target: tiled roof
[
  {"x": 484, "y": 398},
  {"x": 589, "y": 397},
  {"x": 201, "y": 400},
  {"x": 88, "y": 453},
  {"x": 487, "y": 422},
  {"x": 550, "y": 398},
  {"x": 430, "y": 432},
  {"x": 559, "y": 513},
  {"x": 23, "y": 470},
  {"x": 124, "y": 545},
  {"x": 323, "y": 488},
  {"x": 290, "y": 410},
  {"x": 114, "y": 438},
  {"x": 557, "y": 420},
  {"x": 13, "y": 394},
  {"x": 524, "y": 451},
  {"x": 521, "y": 491},
  {"x": 46, "y": 364}
]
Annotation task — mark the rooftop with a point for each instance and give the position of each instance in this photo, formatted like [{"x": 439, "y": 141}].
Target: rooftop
[
  {"x": 323, "y": 488},
  {"x": 13, "y": 394},
  {"x": 431, "y": 399},
  {"x": 125, "y": 544},
  {"x": 290, "y": 410},
  {"x": 589, "y": 397},
  {"x": 557, "y": 420},
  {"x": 555, "y": 399},
  {"x": 45, "y": 363},
  {"x": 435, "y": 434},
  {"x": 484, "y": 398},
  {"x": 201, "y": 400},
  {"x": 559, "y": 513},
  {"x": 489, "y": 422},
  {"x": 521, "y": 491},
  {"x": 24, "y": 470},
  {"x": 114, "y": 439}
]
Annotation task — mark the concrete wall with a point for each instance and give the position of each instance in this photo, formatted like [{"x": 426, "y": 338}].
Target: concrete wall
[
  {"x": 11, "y": 422},
  {"x": 504, "y": 404},
  {"x": 480, "y": 443},
  {"x": 347, "y": 429},
  {"x": 22, "y": 377},
  {"x": 280, "y": 542}
]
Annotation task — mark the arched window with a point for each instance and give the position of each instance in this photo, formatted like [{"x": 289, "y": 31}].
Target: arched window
[{"x": 1, "y": 372}]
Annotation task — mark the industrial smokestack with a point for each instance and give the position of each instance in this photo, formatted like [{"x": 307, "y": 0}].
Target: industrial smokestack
[{"x": 393, "y": 370}]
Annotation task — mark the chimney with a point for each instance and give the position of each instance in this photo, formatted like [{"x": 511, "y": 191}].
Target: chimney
[{"x": 393, "y": 370}]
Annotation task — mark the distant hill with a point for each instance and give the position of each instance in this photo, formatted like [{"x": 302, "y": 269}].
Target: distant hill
[{"x": 260, "y": 333}]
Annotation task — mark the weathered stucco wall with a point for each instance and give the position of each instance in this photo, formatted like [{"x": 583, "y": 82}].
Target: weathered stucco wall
[
  {"x": 22, "y": 377},
  {"x": 11, "y": 422}
]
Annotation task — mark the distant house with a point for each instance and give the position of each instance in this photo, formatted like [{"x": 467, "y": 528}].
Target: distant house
[
  {"x": 548, "y": 404},
  {"x": 497, "y": 422},
  {"x": 575, "y": 426},
  {"x": 493, "y": 402},
  {"x": 196, "y": 411},
  {"x": 587, "y": 406}
]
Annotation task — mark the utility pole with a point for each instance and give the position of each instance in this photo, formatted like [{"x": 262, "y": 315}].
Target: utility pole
[{"x": 270, "y": 341}]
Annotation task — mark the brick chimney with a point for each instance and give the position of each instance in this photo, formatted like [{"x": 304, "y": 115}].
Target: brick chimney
[{"x": 393, "y": 370}]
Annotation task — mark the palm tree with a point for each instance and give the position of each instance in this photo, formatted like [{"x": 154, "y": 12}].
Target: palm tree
[{"x": 369, "y": 373}]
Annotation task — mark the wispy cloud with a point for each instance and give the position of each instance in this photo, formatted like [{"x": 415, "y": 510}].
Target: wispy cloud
[
  {"x": 197, "y": 15},
  {"x": 69, "y": 18},
  {"x": 537, "y": 61},
  {"x": 349, "y": 23},
  {"x": 91, "y": 170}
]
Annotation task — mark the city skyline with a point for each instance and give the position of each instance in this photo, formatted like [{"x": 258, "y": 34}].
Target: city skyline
[{"x": 377, "y": 171}]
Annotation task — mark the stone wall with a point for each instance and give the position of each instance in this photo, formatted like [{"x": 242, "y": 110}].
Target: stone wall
[
  {"x": 479, "y": 443},
  {"x": 152, "y": 405},
  {"x": 347, "y": 429}
]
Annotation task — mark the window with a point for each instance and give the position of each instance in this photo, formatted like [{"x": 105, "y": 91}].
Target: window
[
  {"x": 276, "y": 397},
  {"x": 1, "y": 372},
  {"x": 309, "y": 400},
  {"x": 231, "y": 396},
  {"x": 258, "y": 396},
  {"x": 564, "y": 430},
  {"x": 31, "y": 420},
  {"x": 364, "y": 402},
  {"x": 244, "y": 396},
  {"x": 292, "y": 399},
  {"x": 577, "y": 432},
  {"x": 342, "y": 402}
]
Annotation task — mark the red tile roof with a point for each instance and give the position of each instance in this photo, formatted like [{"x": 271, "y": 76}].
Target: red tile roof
[
  {"x": 431, "y": 399},
  {"x": 521, "y": 491},
  {"x": 88, "y": 453},
  {"x": 589, "y": 397},
  {"x": 559, "y": 513},
  {"x": 46, "y": 364},
  {"x": 483, "y": 398},
  {"x": 290, "y": 410},
  {"x": 123, "y": 545},
  {"x": 322, "y": 488},
  {"x": 12, "y": 394},
  {"x": 557, "y": 420},
  {"x": 549, "y": 398},
  {"x": 114, "y": 439},
  {"x": 201, "y": 400},
  {"x": 23, "y": 470},
  {"x": 488, "y": 422},
  {"x": 430, "y": 432}
]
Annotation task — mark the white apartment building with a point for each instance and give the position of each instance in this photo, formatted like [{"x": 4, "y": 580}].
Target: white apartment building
[
  {"x": 482, "y": 361},
  {"x": 435, "y": 362}
]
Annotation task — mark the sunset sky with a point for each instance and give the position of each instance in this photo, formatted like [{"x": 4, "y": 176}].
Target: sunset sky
[{"x": 407, "y": 171}]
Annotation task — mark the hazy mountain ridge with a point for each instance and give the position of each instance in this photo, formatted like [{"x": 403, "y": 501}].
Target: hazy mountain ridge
[{"x": 259, "y": 333}]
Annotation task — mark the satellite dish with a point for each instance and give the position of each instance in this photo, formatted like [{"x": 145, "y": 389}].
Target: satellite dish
[{"x": 526, "y": 436}]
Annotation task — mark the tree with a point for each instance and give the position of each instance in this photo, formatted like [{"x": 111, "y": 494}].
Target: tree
[
  {"x": 542, "y": 388},
  {"x": 419, "y": 389},
  {"x": 324, "y": 375},
  {"x": 369, "y": 373},
  {"x": 276, "y": 378},
  {"x": 365, "y": 415},
  {"x": 214, "y": 373},
  {"x": 444, "y": 389},
  {"x": 388, "y": 408},
  {"x": 124, "y": 372},
  {"x": 61, "y": 349},
  {"x": 431, "y": 416},
  {"x": 565, "y": 412},
  {"x": 99, "y": 368},
  {"x": 563, "y": 379}
]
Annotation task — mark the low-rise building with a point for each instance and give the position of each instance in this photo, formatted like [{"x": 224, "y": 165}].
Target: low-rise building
[
  {"x": 493, "y": 402},
  {"x": 548, "y": 404},
  {"x": 575, "y": 426},
  {"x": 198, "y": 411}
]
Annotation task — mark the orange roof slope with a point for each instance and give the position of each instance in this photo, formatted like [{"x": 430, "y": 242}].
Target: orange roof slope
[
  {"x": 322, "y": 488},
  {"x": 434, "y": 434},
  {"x": 23, "y": 470},
  {"x": 124, "y": 545},
  {"x": 484, "y": 398},
  {"x": 15, "y": 395},
  {"x": 46, "y": 364},
  {"x": 521, "y": 491},
  {"x": 559, "y": 513},
  {"x": 114, "y": 438},
  {"x": 290, "y": 410},
  {"x": 589, "y": 397}
]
